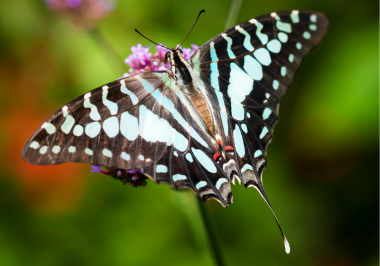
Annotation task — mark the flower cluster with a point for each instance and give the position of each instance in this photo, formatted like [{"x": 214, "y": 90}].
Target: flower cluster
[
  {"x": 130, "y": 177},
  {"x": 83, "y": 13},
  {"x": 141, "y": 60}
]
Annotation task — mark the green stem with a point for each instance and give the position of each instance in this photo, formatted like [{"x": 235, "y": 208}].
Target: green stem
[
  {"x": 213, "y": 241},
  {"x": 233, "y": 13},
  {"x": 111, "y": 55}
]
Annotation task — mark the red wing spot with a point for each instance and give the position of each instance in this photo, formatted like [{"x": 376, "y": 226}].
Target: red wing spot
[
  {"x": 216, "y": 156},
  {"x": 220, "y": 142},
  {"x": 229, "y": 148},
  {"x": 216, "y": 146}
]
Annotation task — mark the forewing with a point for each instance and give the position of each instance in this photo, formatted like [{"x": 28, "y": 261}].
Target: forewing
[
  {"x": 246, "y": 70},
  {"x": 102, "y": 128},
  {"x": 140, "y": 122}
]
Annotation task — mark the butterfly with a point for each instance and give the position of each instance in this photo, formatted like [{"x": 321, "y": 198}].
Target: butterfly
[{"x": 202, "y": 124}]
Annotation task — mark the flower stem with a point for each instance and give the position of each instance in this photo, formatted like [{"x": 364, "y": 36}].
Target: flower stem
[
  {"x": 111, "y": 55},
  {"x": 213, "y": 241},
  {"x": 233, "y": 13}
]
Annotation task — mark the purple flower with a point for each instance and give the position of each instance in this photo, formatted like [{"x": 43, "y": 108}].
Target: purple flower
[
  {"x": 161, "y": 51},
  {"x": 134, "y": 178},
  {"x": 135, "y": 174},
  {"x": 141, "y": 60},
  {"x": 95, "y": 168},
  {"x": 83, "y": 13},
  {"x": 73, "y": 3},
  {"x": 187, "y": 53},
  {"x": 98, "y": 168}
]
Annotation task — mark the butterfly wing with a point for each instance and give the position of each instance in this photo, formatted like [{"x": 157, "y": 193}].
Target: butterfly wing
[
  {"x": 246, "y": 70},
  {"x": 96, "y": 126},
  {"x": 140, "y": 122},
  {"x": 188, "y": 160}
]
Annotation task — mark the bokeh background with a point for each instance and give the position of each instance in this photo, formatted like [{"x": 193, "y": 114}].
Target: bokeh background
[{"x": 323, "y": 165}]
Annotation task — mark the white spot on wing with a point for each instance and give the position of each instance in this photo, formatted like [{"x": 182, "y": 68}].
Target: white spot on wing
[
  {"x": 283, "y": 71},
  {"x": 161, "y": 168},
  {"x": 111, "y": 126},
  {"x": 189, "y": 157},
  {"x": 148, "y": 124},
  {"x": 294, "y": 16},
  {"x": 68, "y": 124},
  {"x": 92, "y": 130},
  {"x": 124, "y": 89},
  {"x": 43, "y": 149},
  {"x": 177, "y": 177},
  {"x": 239, "y": 143},
  {"x": 49, "y": 127},
  {"x": 258, "y": 153},
  {"x": 201, "y": 184},
  {"x": 306, "y": 35},
  {"x": 253, "y": 67},
  {"x": 111, "y": 105},
  {"x": 246, "y": 167},
  {"x": 313, "y": 18},
  {"x": 34, "y": 145},
  {"x": 125, "y": 156},
  {"x": 204, "y": 160},
  {"x": 88, "y": 151},
  {"x": 129, "y": 126},
  {"x": 180, "y": 142},
  {"x": 65, "y": 110},
  {"x": 274, "y": 46},
  {"x": 94, "y": 114},
  {"x": 107, "y": 152},
  {"x": 263, "y": 132},
  {"x": 283, "y": 37},
  {"x": 78, "y": 130},
  {"x": 220, "y": 182},
  {"x": 263, "y": 56},
  {"x": 283, "y": 26},
  {"x": 56, "y": 149}
]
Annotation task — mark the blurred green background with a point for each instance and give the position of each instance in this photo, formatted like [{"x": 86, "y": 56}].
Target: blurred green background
[{"x": 323, "y": 165}]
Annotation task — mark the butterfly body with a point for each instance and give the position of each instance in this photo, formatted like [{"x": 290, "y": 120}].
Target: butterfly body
[{"x": 202, "y": 124}]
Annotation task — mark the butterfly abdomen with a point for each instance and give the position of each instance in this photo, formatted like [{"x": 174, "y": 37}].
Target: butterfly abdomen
[{"x": 200, "y": 103}]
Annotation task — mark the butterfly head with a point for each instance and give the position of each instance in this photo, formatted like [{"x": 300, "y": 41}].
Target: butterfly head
[
  {"x": 177, "y": 62},
  {"x": 173, "y": 56}
]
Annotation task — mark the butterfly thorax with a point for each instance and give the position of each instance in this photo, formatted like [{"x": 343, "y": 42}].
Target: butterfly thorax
[{"x": 181, "y": 69}]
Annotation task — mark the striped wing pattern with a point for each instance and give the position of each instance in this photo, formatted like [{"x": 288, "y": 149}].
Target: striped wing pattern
[
  {"x": 146, "y": 122},
  {"x": 96, "y": 126},
  {"x": 139, "y": 122},
  {"x": 246, "y": 70}
]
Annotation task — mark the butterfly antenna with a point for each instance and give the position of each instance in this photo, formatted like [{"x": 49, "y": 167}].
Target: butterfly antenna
[
  {"x": 151, "y": 40},
  {"x": 192, "y": 28}
]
